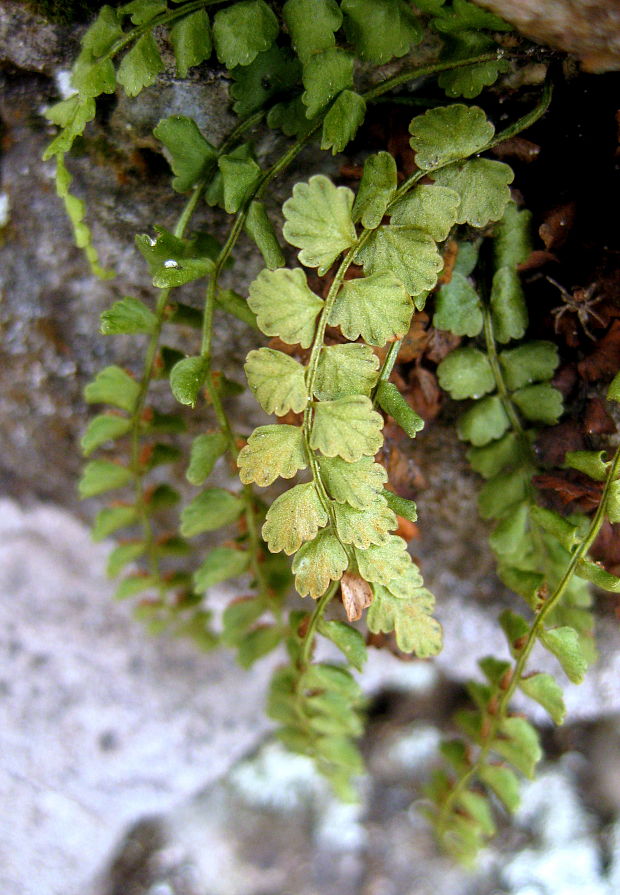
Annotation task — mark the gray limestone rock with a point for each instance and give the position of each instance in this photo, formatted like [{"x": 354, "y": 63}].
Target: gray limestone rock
[{"x": 100, "y": 725}]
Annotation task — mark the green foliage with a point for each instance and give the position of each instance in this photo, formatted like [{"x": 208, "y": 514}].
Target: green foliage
[
  {"x": 318, "y": 221},
  {"x": 191, "y": 41},
  {"x": 272, "y": 452},
  {"x": 345, "y": 370},
  {"x": 482, "y": 185},
  {"x": 188, "y": 150},
  {"x": 325, "y": 75},
  {"x": 377, "y": 308},
  {"x": 76, "y": 211},
  {"x": 447, "y": 134},
  {"x": 411, "y": 620},
  {"x": 391, "y": 400},
  {"x": 285, "y": 306},
  {"x": 276, "y": 380},
  {"x": 128, "y": 316},
  {"x": 381, "y": 29},
  {"x": 539, "y": 553},
  {"x": 458, "y": 307},
  {"x": 347, "y": 428},
  {"x": 242, "y": 31},
  {"x": 379, "y": 251},
  {"x": 140, "y": 66},
  {"x": 311, "y": 24}
]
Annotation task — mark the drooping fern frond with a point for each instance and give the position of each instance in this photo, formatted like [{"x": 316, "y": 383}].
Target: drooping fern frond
[
  {"x": 514, "y": 396},
  {"x": 498, "y": 741},
  {"x": 541, "y": 555},
  {"x": 175, "y": 600},
  {"x": 337, "y": 522}
]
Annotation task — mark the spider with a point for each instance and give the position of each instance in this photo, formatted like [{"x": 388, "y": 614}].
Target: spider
[{"x": 581, "y": 302}]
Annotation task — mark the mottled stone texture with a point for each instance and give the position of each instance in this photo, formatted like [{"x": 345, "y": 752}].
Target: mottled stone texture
[
  {"x": 51, "y": 304},
  {"x": 590, "y": 29}
]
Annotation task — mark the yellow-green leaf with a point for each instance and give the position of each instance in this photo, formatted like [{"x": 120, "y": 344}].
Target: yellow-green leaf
[
  {"x": 449, "y": 133},
  {"x": 272, "y": 452},
  {"x": 318, "y": 221},
  {"x": 411, "y": 620},
  {"x": 277, "y": 381},
  {"x": 345, "y": 370},
  {"x": 382, "y": 564},
  {"x": 432, "y": 209},
  {"x": 545, "y": 690},
  {"x": 364, "y": 527},
  {"x": 408, "y": 254},
  {"x": 293, "y": 518},
  {"x": 359, "y": 484},
  {"x": 347, "y": 428},
  {"x": 482, "y": 185},
  {"x": 319, "y": 562},
  {"x": 285, "y": 306},
  {"x": 377, "y": 186},
  {"x": 377, "y": 308}
]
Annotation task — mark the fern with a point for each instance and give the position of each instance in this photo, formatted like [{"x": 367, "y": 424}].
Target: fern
[
  {"x": 322, "y": 522},
  {"x": 374, "y": 257},
  {"x": 177, "y": 606},
  {"x": 541, "y": 555}
]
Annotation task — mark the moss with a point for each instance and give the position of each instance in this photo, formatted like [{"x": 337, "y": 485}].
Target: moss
[{"x": 66, "y": 12}]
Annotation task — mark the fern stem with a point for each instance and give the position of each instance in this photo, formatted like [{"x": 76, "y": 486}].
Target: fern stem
[
  {"x": 426, "y": 70},
  {"x": 147, "y": 375},
  {"x": 516, "y": 424},
  {"x": 388, "y": 365},
  {"x": 500, "y": 382},
  {"x": 319, "y": 610},
  {"x": 495, "y": 720}
]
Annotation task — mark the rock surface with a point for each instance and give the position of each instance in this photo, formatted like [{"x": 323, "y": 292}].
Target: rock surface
[
  {"x": 590, "y": 29},
  {"x": 99, "y": 724},
  {"x": 102, "y": 727}
]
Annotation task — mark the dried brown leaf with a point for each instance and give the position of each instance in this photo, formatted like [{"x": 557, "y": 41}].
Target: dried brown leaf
[
  {"x": 357, "y": 595},
  {"x": 596, "y": 420},
  {"x": 568, "y": 490},
  {"x": 450, "y": 254},
  {"x": 518, "y": 148},
  {"x": 416, "y": 339},
  {"x": 406, "y": 530},
  {"x": 557, "y": 225},
  {"x": 440, "y": 343},
  {"x": 423, "y": 393},
  {"x": 606, "y": 548},
  {"x": 604, "y": 362},
  {"x": 536, "y": 259}
]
